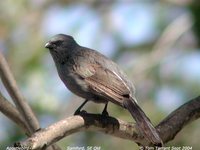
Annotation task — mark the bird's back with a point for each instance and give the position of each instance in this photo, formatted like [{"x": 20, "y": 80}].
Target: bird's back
[{"x": 96, "y": 57}]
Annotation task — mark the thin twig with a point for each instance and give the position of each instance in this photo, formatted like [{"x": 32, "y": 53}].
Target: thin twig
[
  {"x": 167, "y": 129},
  {"x": 22, "y": 105}
]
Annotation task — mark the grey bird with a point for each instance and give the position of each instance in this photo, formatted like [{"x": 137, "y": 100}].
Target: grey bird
[{"x": 94, "y": 77}]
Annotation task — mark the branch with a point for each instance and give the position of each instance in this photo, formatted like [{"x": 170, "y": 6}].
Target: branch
[
  {"x": 23, "y": 115},
  {"x": 167, "y": 129},
  {"x": 12, "y": 113},
  {"x": 179, "y": 118},
  {"x": 21, "y": 104}
]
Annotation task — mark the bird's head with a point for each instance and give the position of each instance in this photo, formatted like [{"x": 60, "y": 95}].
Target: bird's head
[
  {"x": 60, "y": 42},
  {"x": 60, "y": 46}
]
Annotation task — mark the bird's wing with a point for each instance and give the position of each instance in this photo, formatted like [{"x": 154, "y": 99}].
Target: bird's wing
[{"x": 106, "y": 83}]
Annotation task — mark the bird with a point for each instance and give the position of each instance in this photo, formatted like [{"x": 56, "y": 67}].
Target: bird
[{"x": 94, "y": 77}]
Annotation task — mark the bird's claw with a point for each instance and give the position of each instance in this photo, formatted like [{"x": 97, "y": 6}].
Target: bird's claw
[
  {"x": 105, "y": 113},
  {"x": 78, "y": 112}
]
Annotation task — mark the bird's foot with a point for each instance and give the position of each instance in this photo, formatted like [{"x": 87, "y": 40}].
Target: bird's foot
[
  {"x": 105, "y": 113},
  {"x": 78, "y": 112},
  {"x": 104, "y": 118}
]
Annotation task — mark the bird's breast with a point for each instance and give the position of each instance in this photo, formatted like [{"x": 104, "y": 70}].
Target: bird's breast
[{"x": 74, "y": 82}]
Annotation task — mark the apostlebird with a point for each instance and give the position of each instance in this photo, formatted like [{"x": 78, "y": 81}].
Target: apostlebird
[{"x": 94, "y": 77}]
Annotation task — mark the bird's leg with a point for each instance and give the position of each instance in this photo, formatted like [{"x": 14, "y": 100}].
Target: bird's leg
[
  {"x": 105, "y": 116},
  {"x": 105, "y": 112},
  {"x": 78, "y": 110}
]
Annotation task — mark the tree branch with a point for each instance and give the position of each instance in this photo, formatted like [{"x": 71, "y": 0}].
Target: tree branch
[
  {"x": 12, "y": 113},
  {"x": 22, "y": 105},
  {"x": 179, "y": 118},
  {"x": 167, "y": 129},
  {"x": 23, "y": 115}
]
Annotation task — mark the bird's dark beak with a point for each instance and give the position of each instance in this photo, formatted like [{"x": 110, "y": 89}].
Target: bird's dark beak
[{"x": 48, "y": 45}]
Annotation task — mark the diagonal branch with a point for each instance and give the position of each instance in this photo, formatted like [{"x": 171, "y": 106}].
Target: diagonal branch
[
  {"x": 168, "y": 128},
  {"x": 179, "y": 118},
  {"x": 21, "y": 104},
  {"x": 12, "y": 113},
  {"x": 23, "y": 115}
]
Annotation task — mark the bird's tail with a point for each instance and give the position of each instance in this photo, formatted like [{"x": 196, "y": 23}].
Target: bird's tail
[{"x": 143, "y": 122}]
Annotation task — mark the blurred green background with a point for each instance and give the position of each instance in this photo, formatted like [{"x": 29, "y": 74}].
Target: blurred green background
[{"x": 155, "y": 42}]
